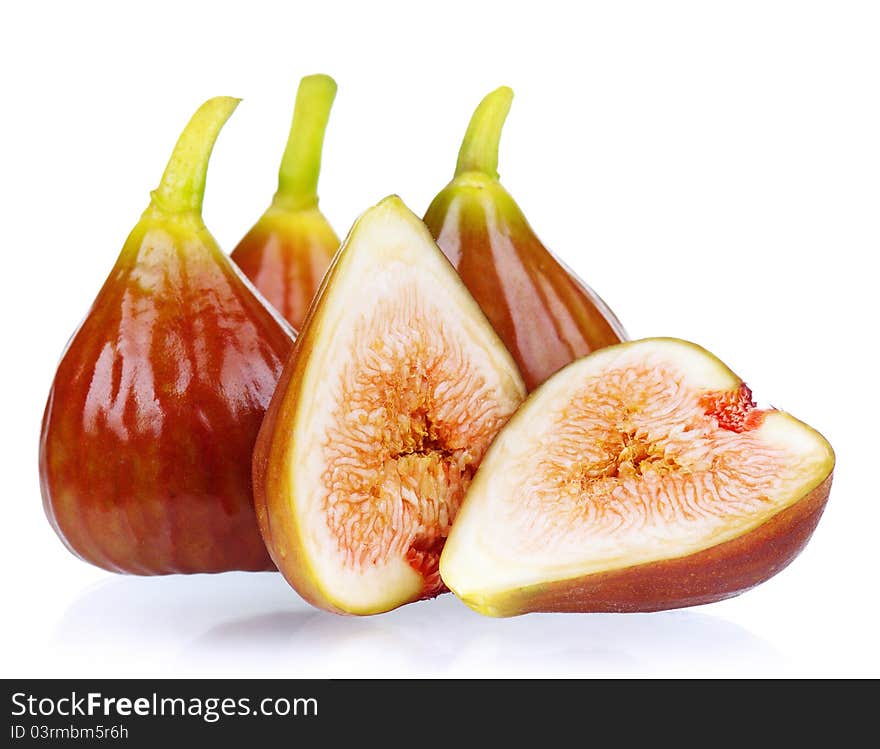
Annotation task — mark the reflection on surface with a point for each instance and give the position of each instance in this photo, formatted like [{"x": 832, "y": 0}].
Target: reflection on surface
[{"x": 255, "y": 625}]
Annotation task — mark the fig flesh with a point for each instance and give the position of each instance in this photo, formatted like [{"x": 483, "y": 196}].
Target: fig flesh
[
  {"x": 544, "y": 314},
  {"x": 639, "y": 478},
  {"x": 149, "y": 428},
  {"x": 286, "y": 253},
  {"x": 396, "y": 387}
]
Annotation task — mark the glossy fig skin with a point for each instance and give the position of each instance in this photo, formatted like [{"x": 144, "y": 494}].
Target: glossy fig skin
[
  {"x": 153, "y": 413},
  {"x": 543, "y": 313},
  {"x": 285, "y": 255},
  {"x": 717, "y": 573}
]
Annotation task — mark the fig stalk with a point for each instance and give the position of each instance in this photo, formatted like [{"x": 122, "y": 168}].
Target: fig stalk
[
  {"x": 479, "y": 149},
  {"x": 301, "y": 162},
  {"x": 182, "y": 188}
]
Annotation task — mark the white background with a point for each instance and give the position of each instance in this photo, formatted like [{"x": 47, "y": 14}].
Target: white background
[{"x": 712, "y": 169}]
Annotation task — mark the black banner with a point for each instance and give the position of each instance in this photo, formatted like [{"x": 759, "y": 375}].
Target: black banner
[{"x": 135, "y": 713}]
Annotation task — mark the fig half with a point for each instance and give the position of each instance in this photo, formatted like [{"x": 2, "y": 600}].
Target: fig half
[
  {"x": 639, "y": 478},
  {"x": 396, "y": 386}
]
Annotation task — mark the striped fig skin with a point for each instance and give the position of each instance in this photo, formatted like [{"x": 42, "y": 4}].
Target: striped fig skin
[
  {"x": 154, "y": 410},
  {"x": 285, "y": 255},
  {"x": 546, "y": 316}
]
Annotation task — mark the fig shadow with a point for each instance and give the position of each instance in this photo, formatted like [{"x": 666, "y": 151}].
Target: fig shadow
[
  {"x": 253, "y": 624},
  {"x": 442, "y": 638},
  {"x": 128, "y": 625}
]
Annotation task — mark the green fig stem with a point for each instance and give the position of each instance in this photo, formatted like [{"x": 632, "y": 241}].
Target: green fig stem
[
  {"x": 301, "y": 163},
  {"x": 182, "y": 188},
  {"x": 479, "y": 149}
]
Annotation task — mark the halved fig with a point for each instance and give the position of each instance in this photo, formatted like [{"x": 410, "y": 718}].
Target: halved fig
[
  {"x": 396, "y": 386},
  {"x": 641, "y": 477}
]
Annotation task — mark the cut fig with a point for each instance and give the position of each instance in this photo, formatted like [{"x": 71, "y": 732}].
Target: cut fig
[
  {"x": 394, "y": 391},
  {"x": 639, "y": 478}
]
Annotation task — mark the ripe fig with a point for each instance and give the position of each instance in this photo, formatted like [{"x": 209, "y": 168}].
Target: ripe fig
[
  {"x": 639, "y": 478},
  {"x": 287, "y": 251},
  {"x": 149, "y": 428},
  {"x": 396, "y": 386},
  {"x": 544, "y": 314}
]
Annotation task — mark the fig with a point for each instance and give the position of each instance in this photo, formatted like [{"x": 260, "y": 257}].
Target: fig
[
  {"x": 151, "y": 420},
  {"x": 545, "y": 315},
  {"x": 288, "y": 250},
  {"x": 395, "y": 388},
  {"x": 641, "y": 477}
]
